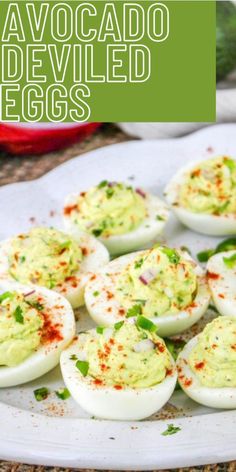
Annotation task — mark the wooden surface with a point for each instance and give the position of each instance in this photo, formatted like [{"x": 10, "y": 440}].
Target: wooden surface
[{"x": 16, "y": 169}]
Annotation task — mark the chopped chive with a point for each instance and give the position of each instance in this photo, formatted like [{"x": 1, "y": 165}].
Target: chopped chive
[
  {"x": 109, "y": 192},
  {"x": 22, "y": 259},
  {"x": 160, "y": 218},
  {"x": 100, "y": 329},
  {"x": 230, "y": 262},
  {"x": 41, "y": 393},
  {"x": 203, "y": 256},
  {"x": 226, "y": 245},
  {"x": 83, "y": 367},
  {"x": 139, "y": 263},
  {"x": 18, "y": 315},
  {"x": 171, "y": 429},
  {"x": 118, "y": 325},
  {"x": 135, "y": 310},
  {"x": 38, "y": 306},
  {"x": 96, "y": 293},
  {"x": 63, "y": 393},
  {"x": 102, "y": 184},
  {"x": 146, "y": 324}
]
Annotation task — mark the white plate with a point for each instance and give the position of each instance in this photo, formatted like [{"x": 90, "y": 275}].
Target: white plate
[{"x": 54, "y": 432}]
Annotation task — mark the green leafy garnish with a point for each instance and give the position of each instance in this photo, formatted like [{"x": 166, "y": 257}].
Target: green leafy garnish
[
  {"x": 230, "y": 262},
  {"x": 135, "y": 310},
  {"x": 5, "y": 296},
  {"x": 65, "y": 245},
  {"x": 102, "y": 184},
  {"x": 118, "y": 325},
  {"x": 145, "y": 323},
  {"x": 109, "y": 192},
  {"x": 100, "y": 329},
  {"x": 41, "y": 393},
  {"x": 138, "y": 264},
  {"x": 203, "y": 256},
  {"x": 96, "y": 293},
  {"x": 160, "y": 218},
  {"x": 171, "y": 429},
  {"x": 172, "y": 255},
  {"x": 230, "y": 163},
  {"x": 63, "y": 393},
  {"x": 18, "y": 315},
  {"x": 227, "y": 245},
  {"x": 22, "y": 259},
  {"x": 83, "y": 367}
]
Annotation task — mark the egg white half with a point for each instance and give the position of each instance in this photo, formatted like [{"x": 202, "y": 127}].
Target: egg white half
[
  {"x": 106, "y": 310},
  {"x": 222, "y": 283},
  {"x": 107, "y": 402},
  {"x": 47, "y": 355},
  {"x": 213, "y": 397},
  {"x": 146, "y": 232},
  {"x": 95, "y": 256},
  {"x": 203, "y": 223}
]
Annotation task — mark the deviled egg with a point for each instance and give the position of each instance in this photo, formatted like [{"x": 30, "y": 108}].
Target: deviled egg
[
  {"x": 203, "y": 196},
  {"x": 36, "y": 324},
  {"x": 221, "y": 272},
  {"x": 50, "y": 258},
  {"x": 123, "y": 373},
  {"x": 162, "y": 284},
  {"x": 123, "y": 218},
  {"x": 207, "y": 365}
]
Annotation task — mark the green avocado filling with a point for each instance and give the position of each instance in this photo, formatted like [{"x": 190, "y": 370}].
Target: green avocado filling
[
  {"x": 210, "y": 187},
  {"x": 109, "y": 209},
  {"x": 160, "y": 281},
  {"x": 20, "y": 329},
  {"x": 128, "y": 356},
  {"x": 44, "y": 256},
  {"x": 213, "y": 359}
]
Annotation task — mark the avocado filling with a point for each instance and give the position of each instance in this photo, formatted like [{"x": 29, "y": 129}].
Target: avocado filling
[
  {"x": 109, "y": 209},
  {"x": 210, "y": 187},
  {"x": 44, "y": 257},
  {"x": 213, "y": 359},
  {"x": 20, "y": 328},
  {"x": 160, "y": 281},
  {"x": 127, "y": 356}
]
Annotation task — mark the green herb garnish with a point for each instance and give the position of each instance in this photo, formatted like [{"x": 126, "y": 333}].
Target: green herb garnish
[
  {"x": 226, "y": 245},
  {"x": 63, "y": 393},
  {"x": 5, "y": 296},
  {"x": 41, "y": 393},
  {"x": 97, "y": 232},
  {"x": 118, "y": 325},
  {"x": 172, "y": 255},
  {"x": 230, "y": 262},
  {"x": 230, "y": 163},
  {"x": 38, "y": 306},
  {"x": 109, "y": 192},
  {"x": 73, "y": 357},
  {"x": 135, "y": 310},
  {"x": 203, "y": 256},
  {"x": 18, "y": 315},
  {"x": 83, "y": 367},
  {"x": 175, "y": 346},
  {"x": 160, "y": 218},
  {"x": 22, "y": 259},
  {"x": 171, "y": 429},
  {"x": 96, "y": 293},
  {"x": 145, "y": 323},
  {"x": 138, "y": 264}
]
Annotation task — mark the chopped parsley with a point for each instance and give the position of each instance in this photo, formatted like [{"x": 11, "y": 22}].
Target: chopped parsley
[
  {"x": 139, "y": 263},
  {"x": 135, "y": 310},
  {"x": 22, "y": 259},
  {"x": 118, "y": 325},
  {"x": 41, "y": 393},
  {"x": 102, "y": 184},
  {"x": 145, "y": 323},
  {"x": 160, "y": 218},
  {"x": 100, "y": 329},
  {"x": 203, "y": 256},
  {"x": 171, "y": 429},
  {"x": 83, "y": 367},
  {"x": 5, "y": 296},
  {"x": 63, "y": 393},
  {"x": 96, "y": 293},
  {"x": 230, "y": 262},
  {"x": 172, "y": 255},
  {"x": 18, "y": 315}
]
